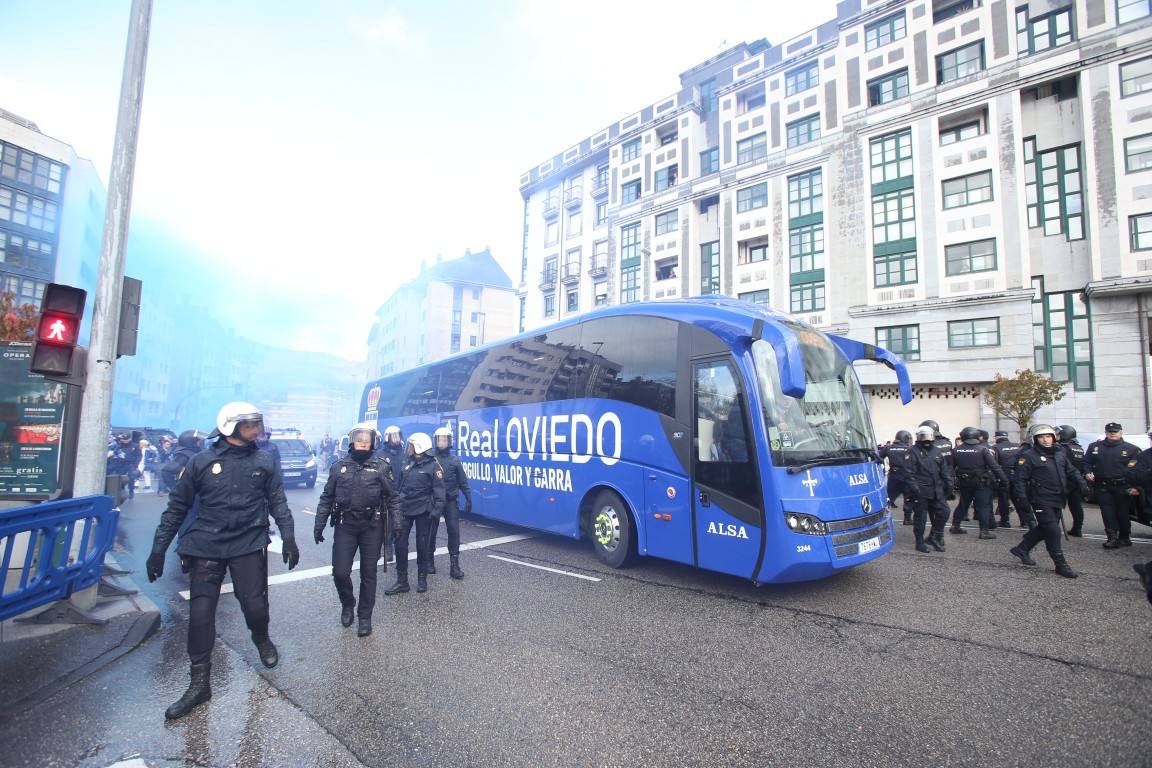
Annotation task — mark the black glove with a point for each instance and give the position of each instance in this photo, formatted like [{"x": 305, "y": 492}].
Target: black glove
[
  {"x": 318, "y": 533},
  {"x": 291, "y": 553},
  {"x": 155, "y": 566},
  {"x": 951, "y": 496}
]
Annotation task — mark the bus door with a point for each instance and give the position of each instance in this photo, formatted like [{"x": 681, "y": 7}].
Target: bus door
[
  {"x": 726, "y": 498},
  {"x": 668, "y": 518}
]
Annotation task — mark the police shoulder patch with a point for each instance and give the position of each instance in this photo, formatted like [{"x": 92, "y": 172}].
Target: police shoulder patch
[
  {"x": 1132, "y": 463},
  {"x": 1022, "y": 461}
]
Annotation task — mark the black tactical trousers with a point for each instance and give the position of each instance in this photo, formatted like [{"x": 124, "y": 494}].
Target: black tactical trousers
[
  {"x": 979, "y": 497},
  {"x": 1003, "y": 497},
  {"x": 401, "y": 529},
  {"x": 934, "y": 511},
  {"x": 249, "y": 584},
  {"x": 1114, "y": 502},
  {"x": 451, "y": 524},
  {"x": 346, "y": 541},
  {"x": 895, "y": 490},
  {"x": 1048, "y": 529},
  {"x": 1076, "y": 507}
]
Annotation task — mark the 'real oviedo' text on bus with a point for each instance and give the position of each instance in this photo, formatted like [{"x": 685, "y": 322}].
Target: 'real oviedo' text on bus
[{"x": 709, "y": 431}]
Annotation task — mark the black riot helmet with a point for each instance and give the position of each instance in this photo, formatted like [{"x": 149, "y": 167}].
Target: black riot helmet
[
  {"x": 192, "y": 438},
  {"x": 1065, "y": 432},
  {"x": 983, "y": 435},
  {"x": 1001, "y": 435},
  {"x": 931, "y": 423},
  {"x": 903, "y": 436},
  {"x": 970, "y": 433}
]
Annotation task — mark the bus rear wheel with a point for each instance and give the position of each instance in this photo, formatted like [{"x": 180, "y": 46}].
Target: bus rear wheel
[{"x": 612, "y": 532}]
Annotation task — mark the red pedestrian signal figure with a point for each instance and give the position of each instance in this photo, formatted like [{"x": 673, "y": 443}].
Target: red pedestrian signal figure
[
  {"x": 57, "y": 331},
  {"x": 56, "y": 335}
]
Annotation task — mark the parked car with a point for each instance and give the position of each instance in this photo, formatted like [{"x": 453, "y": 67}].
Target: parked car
[{"x": 297, "y": 461}]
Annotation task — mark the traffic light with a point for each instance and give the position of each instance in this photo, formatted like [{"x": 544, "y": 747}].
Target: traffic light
[{"x": 61, "y": 313}]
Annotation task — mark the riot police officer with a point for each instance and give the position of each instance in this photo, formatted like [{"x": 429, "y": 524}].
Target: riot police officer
[
  {"x": 358, "y": 496},
  {"x": 1108, "y": 463},
  {"x": 1043, "y": 477},
  {"x": 421, "y": 490},
  {"x": 1006, "y": 452},
  {"x": 896, "y": 453},
  {"x": 392, "y": 451},
  {"x": 455, "y": 485},
  {"x": 1066, "y": 435},
  {"x": 237, "y": 488},
  {"x": 930, "y": 483},
  {"x": 977, "y": 473},
  {"x": 941, "y": 442}
]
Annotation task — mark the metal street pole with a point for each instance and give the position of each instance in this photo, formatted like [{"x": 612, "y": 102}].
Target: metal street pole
[{"x": 96, "y": 409}]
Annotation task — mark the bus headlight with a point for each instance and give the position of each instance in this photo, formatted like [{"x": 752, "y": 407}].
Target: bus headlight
[{"x": 801, "y": 523}]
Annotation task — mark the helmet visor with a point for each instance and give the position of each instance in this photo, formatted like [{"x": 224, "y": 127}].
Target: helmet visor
[{"x": 362, "y": 439}]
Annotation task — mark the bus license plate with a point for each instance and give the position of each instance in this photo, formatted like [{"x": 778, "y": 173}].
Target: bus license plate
[
  {"x": 870, "y": 545},
  {"x": 297, "y": 474}
]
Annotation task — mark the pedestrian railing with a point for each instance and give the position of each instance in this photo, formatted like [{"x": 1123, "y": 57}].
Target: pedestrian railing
[{"x": 49, "y": 551}]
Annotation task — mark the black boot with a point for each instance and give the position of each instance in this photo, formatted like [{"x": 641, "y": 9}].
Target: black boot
[
  {"x": 1022, "y": 553},
  {"x": 422, "y": 581},
  {"x": 199, "y": 691},
  {"x": 1124, "y": 541},
  {"x": 1063, "y": 568},
  {"x": 364, "y": 628},
  {"x": 269, "y": 657},
  {"x": 920, "y": 545},
  {"x": 1075, "y": 531},
  {"x": 1005, "y": 522},
  {"x": 455, "y": 571},
  {"x": 1113, "y": 541},
  {"x": 346, "y": 615},
  {"x": 936, "y": 541},
  {"x": 986, "y": 534},
  {"x": 431, "y": 569},
  {"x": 956, "y": 529},
  {"x": 401, "y": 584}
]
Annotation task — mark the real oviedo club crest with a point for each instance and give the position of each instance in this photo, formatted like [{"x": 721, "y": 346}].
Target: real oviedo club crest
[{"x": 373, "y": 398}]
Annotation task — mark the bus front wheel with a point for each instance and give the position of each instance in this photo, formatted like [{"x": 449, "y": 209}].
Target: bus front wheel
[{"x": 613, "y": 534}]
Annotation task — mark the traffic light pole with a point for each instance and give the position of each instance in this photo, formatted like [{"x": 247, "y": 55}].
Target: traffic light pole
[{"x": 96, "y": 408}]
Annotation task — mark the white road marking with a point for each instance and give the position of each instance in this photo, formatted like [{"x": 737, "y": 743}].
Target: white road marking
[
  {"x": 312, "y": 573},
  {"x": 133, "y": 763},
  {"x": 544, "y": 568},
  {"x": 308, "y": 512},
  {"x": 276, "y": 545},
  {"x": 1089, "y": 536}
]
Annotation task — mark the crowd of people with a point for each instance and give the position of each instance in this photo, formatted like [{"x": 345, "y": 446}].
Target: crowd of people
[
  {"x": 1037, "y": 479},
  {"x": 154, "y": 467}
]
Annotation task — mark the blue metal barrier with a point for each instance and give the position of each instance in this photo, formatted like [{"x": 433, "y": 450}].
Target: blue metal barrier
[{"x": 48, "y": 571}]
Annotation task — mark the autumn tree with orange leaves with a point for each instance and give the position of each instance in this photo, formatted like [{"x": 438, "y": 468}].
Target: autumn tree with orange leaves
[{"x": 17, "y": 322}]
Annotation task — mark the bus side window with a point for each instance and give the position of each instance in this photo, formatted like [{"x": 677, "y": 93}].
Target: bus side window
[{"x": 719, "y": 420}]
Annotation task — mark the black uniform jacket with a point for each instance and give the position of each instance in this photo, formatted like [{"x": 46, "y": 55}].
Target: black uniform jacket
[
  {"x": 455, "y": 479},
  {"x": 977, "y": 466},
  {"x": 1110, "y": 462},
  {"x": 238, "y": 488},
  {"x": 898, "y": 459},
  {"x": 930, "y": 474},
  {"x": 421, "y": 487},
  {"x": 357, "y": 492},
  {"x": 1044, "y": 476}
]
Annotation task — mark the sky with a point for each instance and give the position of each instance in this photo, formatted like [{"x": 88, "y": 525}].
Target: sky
[{"x": 316, "y": 152}]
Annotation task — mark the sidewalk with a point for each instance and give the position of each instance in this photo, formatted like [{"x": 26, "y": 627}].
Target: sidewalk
[{"x": 40, "y": 660}]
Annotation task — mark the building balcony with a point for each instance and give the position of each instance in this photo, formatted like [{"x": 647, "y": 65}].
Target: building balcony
[
  {"x": 573, "y": 197},
  {"x": 548, "y": 280},
  {"x": 599, "y": 265},
  {"x": 600, "y": 187},
  {"x": 570, "y": 273},
  {"x": 551, "y": 208}
]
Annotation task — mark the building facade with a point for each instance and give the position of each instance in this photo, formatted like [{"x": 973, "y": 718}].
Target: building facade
[
  {"x": 451, "y": 306},
  {"x": 51, "y": 213},
  {"x": 965, "y": 182}
]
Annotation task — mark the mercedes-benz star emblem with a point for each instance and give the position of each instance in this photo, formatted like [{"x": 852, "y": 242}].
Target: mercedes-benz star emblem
[{"x": 865, "y": 505}]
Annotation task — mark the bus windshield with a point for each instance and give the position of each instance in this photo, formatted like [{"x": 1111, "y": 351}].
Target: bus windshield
[{"x": 830, "y": 423}]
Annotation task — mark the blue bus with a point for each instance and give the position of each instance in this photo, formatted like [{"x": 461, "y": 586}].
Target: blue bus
[{"x": 707, "y": 431}]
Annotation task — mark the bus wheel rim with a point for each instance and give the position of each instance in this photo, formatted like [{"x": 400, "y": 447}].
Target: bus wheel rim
[{"x": 607, "y": 528}]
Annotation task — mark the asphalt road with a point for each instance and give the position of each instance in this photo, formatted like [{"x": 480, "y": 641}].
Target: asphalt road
[{"x": 962, "y": 658}]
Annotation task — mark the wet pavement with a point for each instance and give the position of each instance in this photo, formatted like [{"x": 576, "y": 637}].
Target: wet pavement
[{"x": 542, "y": 656}]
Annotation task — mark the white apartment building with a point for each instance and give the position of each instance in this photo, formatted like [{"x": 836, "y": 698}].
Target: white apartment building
[{"x": 965, "y": 182}]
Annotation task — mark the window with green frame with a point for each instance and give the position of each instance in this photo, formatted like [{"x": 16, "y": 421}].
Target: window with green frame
[
  {"x": 803, "y": 131},
  {"x": 894, "y": 269},
  {"x": 806, "y": 249},
  {"x": 630, "y": 244},
  {"x": 801, "y": 78},
  {"x": 752, "y": 148},
  {"x": 1130, "y": 10},
  {"x": 1140, "y": 231},
  {"x": 629, "y": 284},
  {"x": 893, "y": 217},
  {"x": 630, "y": 191},
  {"x": 667, "y": 222},
  {"x": 956, "y": 133},
  {"x": 880, "y": 33},
  {"x": 710, "y": 268},
  {"x": 1136, "y": 77},
  {"x": 806, "y": 297},
  {"x": 1053, "y": 185},
  {"x": 967, "y": 190},
  {"x": 1138, "y": 153},
  {"x": 806, "y": 194},
  {"x": 891, "y": 157},
  {"x": 903, "y": 340},
  {"x": 751, "y": 198},
  {"x": 755, "y": 297},
  {"x": 1062, "y": 335},
  {"x": 965, "y": 258},
  {"x": 981, "y": 332},
  {"x": 630, "y": 150},
  {"x": 886, "y": 88},
  {"x": 1040, "y": 33},
  {"x": 964, "y": 61},
  {"x": 709, "y": 161}
]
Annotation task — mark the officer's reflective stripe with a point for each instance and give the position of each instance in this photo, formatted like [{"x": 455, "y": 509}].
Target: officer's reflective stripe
[{"x": 312, "y": 573}]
